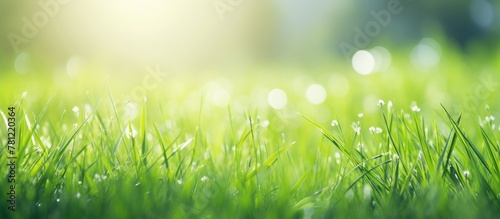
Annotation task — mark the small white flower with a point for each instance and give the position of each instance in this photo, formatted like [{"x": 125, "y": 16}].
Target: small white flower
[
  {"x": 204, "y": 178},
  {"x": 375, "y": 130},
  {"x": 76, "y": 111},
  {"x": 489, "y": 118},
  {"x": 179, "y": 181},
  {"x": 389, "y": 105},
  {"x": 360, "y": 115},
  {"x": 58, "y": 200},
  {"x": 131, "y": 132},
  {"x": 335, "y": 122},
  {"x": 356, "y": 128},
  {"x": 77, "y": 195},
  {"x": 415, "y": 108},
  {"x": 395, "y": 157},
  {"x": 487, "y": 107},
  {"x": 380, "y": 102},
  {"x": 97, "y": 177}
]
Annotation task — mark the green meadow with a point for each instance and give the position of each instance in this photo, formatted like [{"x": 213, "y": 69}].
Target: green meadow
[{"x": 256, "y": 143}]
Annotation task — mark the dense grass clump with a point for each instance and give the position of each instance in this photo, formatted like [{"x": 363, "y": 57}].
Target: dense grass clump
[
  {"x": 93, "y": 162},
  {"x": 392, "y": 145}
]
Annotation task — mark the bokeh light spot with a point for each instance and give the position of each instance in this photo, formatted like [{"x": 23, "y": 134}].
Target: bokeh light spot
[
  {"x": 363, "y": 62},
  {"x": 316, "y": 94},
  {"x": 277, "y": 98},
  {"x": 22, "y": 63}
]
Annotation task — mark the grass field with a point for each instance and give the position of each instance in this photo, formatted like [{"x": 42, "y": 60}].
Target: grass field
[{"x": 398, "y": 144}]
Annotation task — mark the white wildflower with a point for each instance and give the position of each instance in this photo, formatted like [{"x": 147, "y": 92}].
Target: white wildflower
[
  {"x": 375, "y": 130},
  {"x": 360, "y": 115},
  {"x": 395, "y": 157},
  {"x": 356, "y": 128},
  {"x": 415, "y": 108},
  {"x": 381, "y": 102},
  {"x": 204, "y": 178},
  {"x": 334, "y": 122},
  {"x": 131, "y": 132},
  {"x": 76, "y": 111},
  {"x": 489, "y": 118}
]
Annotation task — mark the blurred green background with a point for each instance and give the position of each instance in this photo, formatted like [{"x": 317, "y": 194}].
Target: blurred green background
[
  {"x": 432, "y": 52},
  {"x": 123, "y": 36}
]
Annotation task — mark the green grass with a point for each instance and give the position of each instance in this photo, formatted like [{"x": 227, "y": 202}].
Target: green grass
[{"x": 180, "y": 155}]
